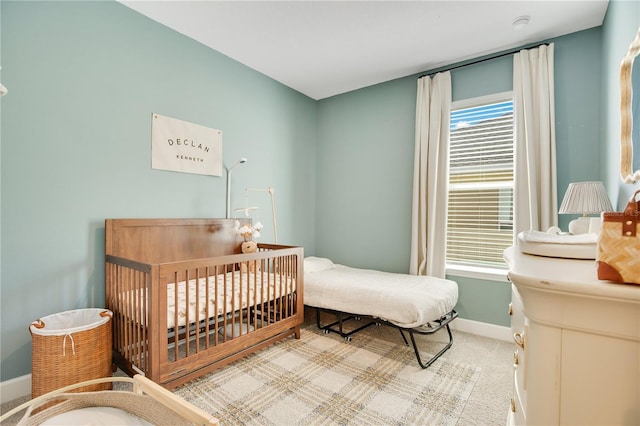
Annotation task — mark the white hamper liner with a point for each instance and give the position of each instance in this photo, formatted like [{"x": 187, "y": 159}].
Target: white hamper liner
[
  {"x": 69, "y": 322},
  {"x": 70, "y": 347}
]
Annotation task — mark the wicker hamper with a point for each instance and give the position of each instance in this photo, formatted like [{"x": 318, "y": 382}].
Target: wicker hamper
[{"x": 71, "y": 347}]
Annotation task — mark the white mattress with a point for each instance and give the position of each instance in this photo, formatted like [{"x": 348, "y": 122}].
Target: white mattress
[
  {"x": 405, "y": 300},
  {"x": 241, "y": 291},
  {"x": 238, "y": 295}
]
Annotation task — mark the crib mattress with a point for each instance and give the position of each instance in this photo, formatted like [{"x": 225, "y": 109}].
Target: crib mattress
[
  {"x": 405, "y": 300},
  {"x": 216, "y": 296}
]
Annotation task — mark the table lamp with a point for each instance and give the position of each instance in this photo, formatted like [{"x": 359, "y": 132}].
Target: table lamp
[{"x": 584, "y": 198}]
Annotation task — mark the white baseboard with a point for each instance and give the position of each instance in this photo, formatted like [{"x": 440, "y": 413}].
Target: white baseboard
[
  {"x": 482, "y": 329},
  {"x": 21, "y": 386},
  {"x": 15, "y": 388}
]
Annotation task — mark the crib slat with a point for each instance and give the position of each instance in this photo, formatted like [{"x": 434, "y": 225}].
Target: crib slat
[{"x": 176, "y": 331}]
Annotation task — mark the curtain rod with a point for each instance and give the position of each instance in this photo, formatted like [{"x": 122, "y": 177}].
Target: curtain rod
[{"x": 488, "y": 58}]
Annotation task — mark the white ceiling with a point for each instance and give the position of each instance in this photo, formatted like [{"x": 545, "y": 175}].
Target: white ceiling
[{"x": 324, "y": 48}]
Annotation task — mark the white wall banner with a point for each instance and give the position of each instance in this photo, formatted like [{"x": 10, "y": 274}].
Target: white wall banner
[{"x": 185, "y": 147}]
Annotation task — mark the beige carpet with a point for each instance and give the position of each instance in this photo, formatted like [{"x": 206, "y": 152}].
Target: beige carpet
[
  {"x": 488, "y": 402},
  {"x": 323, "y": 380}
]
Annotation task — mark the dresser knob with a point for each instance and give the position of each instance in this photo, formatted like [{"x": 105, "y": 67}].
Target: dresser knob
[
  {"x": 510, "y": 309},
  {"x": 519, "y": 339}
]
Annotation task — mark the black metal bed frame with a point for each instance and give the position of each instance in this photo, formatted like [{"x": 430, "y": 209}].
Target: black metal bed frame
[{"x": 442, "y": 322}]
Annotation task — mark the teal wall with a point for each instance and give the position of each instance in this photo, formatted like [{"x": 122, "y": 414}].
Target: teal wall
[
  {"x": 84, "y": 78},
  {"x": 366, "y": 142},
  {"x": 365, "y": 161}
]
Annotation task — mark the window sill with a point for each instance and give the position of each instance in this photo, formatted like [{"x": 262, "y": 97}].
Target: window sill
[{"x": 478, "y": 272}]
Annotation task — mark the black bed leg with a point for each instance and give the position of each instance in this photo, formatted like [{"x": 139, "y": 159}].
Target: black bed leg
[
  {"x": 403, "y": 337},
  {"x": 436, "y": 356},
  {"x": 318, "y": 319}
]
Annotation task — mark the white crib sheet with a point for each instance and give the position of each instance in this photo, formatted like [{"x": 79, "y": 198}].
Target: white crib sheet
[
  {"x": 405, "y": 300},
  {"x": 242, "y": 290}
]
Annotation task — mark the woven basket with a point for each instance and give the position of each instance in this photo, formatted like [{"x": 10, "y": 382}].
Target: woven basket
[
  {"x": 71, "y": 347},
  {"x": 618, "y": 252}
]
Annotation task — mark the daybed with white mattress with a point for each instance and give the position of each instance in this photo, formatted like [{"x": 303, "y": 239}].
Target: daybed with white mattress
[{"x": 416, "y": 304}]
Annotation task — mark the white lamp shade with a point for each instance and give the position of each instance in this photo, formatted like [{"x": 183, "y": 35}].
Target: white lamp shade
[{"x": 585, "y": 198}]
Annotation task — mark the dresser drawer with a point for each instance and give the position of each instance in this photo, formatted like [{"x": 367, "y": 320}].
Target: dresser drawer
[
  {"x": 518, "y": 331},
  {"x": 519, "y": 404},
  {"x": 516, "y": 311}
]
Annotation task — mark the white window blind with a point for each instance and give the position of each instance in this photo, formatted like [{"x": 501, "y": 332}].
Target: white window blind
[{"x": 480, "y": 206}]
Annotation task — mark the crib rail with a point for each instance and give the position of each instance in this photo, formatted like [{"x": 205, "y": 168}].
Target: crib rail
[
  {"x": 127, "y": 290},
  {"x": 174, "y": 319}
]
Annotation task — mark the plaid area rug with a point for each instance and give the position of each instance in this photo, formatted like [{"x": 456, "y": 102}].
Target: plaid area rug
[{"x": 323, "y": 380}]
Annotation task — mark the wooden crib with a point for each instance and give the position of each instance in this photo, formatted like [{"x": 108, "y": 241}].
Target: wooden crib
[{"x": 186, "y": 301}]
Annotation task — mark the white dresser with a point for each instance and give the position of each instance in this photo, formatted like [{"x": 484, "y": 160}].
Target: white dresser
[{"x": 577, "y": 344}]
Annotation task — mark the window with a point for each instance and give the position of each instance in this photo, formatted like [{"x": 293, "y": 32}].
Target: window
[{"x": 480, "y": 206}]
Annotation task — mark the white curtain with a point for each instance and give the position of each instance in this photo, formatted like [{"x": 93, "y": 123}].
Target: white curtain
[
  {"x": 535, "y": 193},
  {"x": 430, "y": 176}
]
